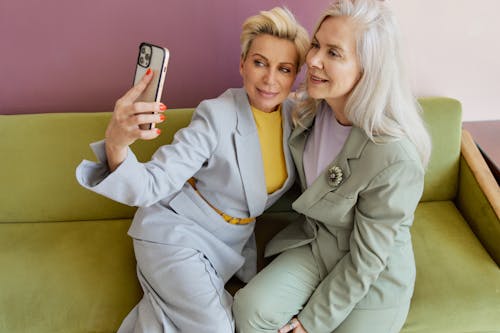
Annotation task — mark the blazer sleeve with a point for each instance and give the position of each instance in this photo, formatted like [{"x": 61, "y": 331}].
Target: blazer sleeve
[
  {"x": 388, "y": 202},
  {"x": 143, "y": 184}
]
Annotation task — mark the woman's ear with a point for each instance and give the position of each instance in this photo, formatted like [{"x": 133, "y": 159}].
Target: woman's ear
[{"x": 242, "y": 61}]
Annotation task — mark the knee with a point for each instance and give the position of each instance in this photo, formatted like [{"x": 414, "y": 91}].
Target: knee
[
  {"x": 244, "y": 309},
  {"x": 250, "y": 312}
]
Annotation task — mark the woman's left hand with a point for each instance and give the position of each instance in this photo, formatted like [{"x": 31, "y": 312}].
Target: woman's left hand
[{"x": 293, "y": 326}]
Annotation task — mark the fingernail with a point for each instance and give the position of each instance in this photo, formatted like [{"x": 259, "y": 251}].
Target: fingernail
[
  {"x": 162, "y": 117},
  {"x": 163, "y": 107},
  {"x": 148, "y": 71},
  {"x": 158, "y": 131}
]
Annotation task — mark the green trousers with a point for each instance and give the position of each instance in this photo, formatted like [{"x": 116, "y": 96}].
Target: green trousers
[{"x": 280, "y": 291}]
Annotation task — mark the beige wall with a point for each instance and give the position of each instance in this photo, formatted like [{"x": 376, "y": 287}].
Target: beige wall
[{"x": 453, "y": 49}]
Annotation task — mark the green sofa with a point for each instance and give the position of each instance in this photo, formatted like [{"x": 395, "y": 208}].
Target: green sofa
[{"x": 67, "y": 264}]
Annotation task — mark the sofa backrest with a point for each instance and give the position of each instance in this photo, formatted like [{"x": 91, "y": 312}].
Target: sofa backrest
[
  {"x": 41, "y": 151},
  {"x": 443, "y": 118},
  {"x": 39, "y": 155}
]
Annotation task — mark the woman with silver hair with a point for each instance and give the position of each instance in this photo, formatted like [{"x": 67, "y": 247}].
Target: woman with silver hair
[
  {"x": 199, "y": 196},
  {"x": 360, "y": 149}
]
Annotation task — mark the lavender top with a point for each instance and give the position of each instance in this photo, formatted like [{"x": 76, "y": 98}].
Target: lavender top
[{"x": 324, "y": 143}]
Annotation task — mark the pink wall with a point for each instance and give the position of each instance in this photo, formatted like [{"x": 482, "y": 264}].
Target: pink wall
[
  {"x": 79, "y": 56},
  {"x": 453, "y": 50}
]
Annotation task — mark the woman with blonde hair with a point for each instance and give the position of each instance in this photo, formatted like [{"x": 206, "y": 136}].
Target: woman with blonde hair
[
  {"x": 360, "y": 148},
  {"x": 198, "y": 196}
]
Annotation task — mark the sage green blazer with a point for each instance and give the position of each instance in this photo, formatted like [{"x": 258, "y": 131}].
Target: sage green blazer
[{"x": 358, "y": 226}]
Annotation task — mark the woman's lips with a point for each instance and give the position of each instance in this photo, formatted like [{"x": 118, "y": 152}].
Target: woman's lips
[
  {"x": 317, "y": 79},
  {"x": 265, "y": 93}
]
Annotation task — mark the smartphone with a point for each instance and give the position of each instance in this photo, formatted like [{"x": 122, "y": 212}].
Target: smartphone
[{"x": 156, "y": 58}]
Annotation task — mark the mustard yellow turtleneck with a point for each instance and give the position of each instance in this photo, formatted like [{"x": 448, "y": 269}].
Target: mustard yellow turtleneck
[{"x": 270, "y": 130}]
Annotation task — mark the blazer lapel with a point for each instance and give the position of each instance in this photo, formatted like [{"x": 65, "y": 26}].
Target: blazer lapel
[
  {"x": 297, "y": 143},
  {"x": 249, "y": 155},
  {"x": 352, "y": 149}
]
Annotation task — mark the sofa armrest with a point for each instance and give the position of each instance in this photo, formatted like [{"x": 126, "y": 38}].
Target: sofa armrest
[{"x": 478, "y": 197}]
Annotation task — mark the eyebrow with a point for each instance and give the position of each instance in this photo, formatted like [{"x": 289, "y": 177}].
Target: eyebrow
[
  {"x": 333, "y": 46},
  {"x": 259, "y": 55},
  {"x": 262, "y": 56}
]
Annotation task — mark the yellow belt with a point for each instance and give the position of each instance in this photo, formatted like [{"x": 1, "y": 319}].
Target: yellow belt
[{"x": 227, "y": 218}]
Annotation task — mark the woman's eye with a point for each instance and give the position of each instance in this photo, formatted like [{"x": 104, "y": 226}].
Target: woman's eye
[
  {"x": 314, "y": 45},
  {"x": 334, "y": 53},
  {"x": 259, "y": 63},
  {"x": 285, "y": 70}
]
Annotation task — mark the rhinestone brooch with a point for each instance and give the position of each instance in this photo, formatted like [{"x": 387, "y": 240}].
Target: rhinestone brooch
[{"x": 335, "y": 176}]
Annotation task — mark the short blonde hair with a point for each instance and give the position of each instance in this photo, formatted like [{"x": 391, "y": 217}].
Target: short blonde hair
[{"x": 278, "y": 22}]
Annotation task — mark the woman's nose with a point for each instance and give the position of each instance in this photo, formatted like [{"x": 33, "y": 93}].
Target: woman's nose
[
  {"x": 270, "y": 77},
  {"x": 314, "y": 59}
]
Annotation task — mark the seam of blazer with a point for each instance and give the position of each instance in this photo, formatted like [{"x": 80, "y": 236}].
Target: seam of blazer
[
  {"x": 209, "y": 111},
  {"x": 388, "y": 168}
]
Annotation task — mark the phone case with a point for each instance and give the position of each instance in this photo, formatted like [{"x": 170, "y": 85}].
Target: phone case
[{"x": 156, "y": 58}]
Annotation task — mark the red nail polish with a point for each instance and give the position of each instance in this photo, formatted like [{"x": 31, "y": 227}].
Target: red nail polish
[
  {"x": 163, "y": 107},
  {"x": 158, "y": 131},
  {"x": 162, "y": 117},
  {"x": 148, "y": 71}
]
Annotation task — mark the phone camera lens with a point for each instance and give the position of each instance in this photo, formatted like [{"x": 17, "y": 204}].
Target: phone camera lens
[
  {"x": 143, "y": 50},
  {"x": 147, "y": 56}
]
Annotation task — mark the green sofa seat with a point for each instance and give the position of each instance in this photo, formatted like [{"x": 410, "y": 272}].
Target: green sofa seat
[
  {"x": 56, "y": 270},
  {"x": 453, "y": 269},
  {"x": 67, "y": 264}
]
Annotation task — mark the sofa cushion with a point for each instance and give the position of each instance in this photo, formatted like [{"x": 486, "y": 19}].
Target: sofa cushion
[
  {"x": 66, "y": 276},
  {"x": 452, "y": 270}
]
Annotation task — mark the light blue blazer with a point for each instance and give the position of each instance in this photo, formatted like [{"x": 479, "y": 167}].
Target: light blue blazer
[
  {"x": 359, "y": 229},
  {"x": 221, "y": 149}
]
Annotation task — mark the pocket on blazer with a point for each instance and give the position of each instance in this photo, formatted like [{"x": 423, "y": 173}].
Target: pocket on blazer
[
  {"x": 190, "y": 204},
  {"x": 183, "y": 205},
  {"x": 333, "y": 209},
  {"x": 335, "y": 196}
]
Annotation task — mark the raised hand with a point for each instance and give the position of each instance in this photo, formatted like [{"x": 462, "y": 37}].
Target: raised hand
[{"x": 123, "y": 128}]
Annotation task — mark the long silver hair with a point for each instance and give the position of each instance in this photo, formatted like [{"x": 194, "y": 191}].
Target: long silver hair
[{"x": 381, "y": 103}]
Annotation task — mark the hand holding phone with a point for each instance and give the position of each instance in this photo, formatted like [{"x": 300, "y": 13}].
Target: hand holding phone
[
  {"x": 148, "y": 85},
  {"x": 122, "y": 129},
  {"x": 155, "y": 58}
]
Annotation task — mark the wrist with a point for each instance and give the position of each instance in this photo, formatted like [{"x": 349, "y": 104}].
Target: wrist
[
  {"x": 115, "y": 154},
  {"x": 113, "y": 147}
]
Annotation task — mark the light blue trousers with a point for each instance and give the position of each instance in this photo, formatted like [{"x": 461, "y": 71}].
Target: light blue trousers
[
  {"x": 182, "y": 293},
  {"x": 279, "y": 292}
]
